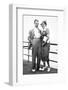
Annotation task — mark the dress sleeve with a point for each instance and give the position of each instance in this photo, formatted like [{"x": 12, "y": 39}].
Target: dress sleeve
[{"x": 48, "y": 32}]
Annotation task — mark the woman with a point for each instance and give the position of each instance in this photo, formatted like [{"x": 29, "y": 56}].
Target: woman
[{"x": 45, "y": 45}]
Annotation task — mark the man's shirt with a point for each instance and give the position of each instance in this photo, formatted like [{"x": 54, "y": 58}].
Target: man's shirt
[{"x": 36, "y": 32}]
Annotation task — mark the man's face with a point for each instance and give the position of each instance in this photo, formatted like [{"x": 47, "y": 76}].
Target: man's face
[{"x": 36, "y": 23}]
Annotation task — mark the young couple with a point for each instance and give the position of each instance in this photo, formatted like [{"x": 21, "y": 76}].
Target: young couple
[{"x": 39, "y": 40}]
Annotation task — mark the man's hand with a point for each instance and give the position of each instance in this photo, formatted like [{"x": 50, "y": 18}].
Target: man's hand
[{"x": 30, "y": 45}]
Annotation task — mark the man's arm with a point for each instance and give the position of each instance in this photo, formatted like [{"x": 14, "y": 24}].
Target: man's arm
[
  {"x": 30, "y": 38},
  {"x": 31, "y": 35}
]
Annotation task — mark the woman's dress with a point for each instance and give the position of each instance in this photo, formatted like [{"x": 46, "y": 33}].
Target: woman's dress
[{"x": 45, "y": 46}]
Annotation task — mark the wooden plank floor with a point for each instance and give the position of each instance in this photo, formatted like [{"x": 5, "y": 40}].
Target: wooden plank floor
[{"x": 27, "y": 66}]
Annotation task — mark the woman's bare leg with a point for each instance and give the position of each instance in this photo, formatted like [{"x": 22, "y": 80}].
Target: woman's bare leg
[{"x": 48, "y": 69}]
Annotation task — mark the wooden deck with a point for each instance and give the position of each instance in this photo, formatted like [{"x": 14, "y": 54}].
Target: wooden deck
[{"x": 27, "y": 66}]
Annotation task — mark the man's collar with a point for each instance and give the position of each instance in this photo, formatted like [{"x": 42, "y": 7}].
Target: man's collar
[{"x": 36, "y": 27}]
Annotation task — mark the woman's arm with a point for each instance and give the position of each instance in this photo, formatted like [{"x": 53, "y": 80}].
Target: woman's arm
[{"x": 48, "y": 34}]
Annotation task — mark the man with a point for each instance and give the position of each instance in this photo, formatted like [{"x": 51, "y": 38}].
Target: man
[
  {"x": 45, "y": 45},
  {"x": 34, "y": 39}
]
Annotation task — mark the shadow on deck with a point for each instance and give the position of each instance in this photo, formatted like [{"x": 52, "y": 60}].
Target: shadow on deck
[{"x": 27, "y": 66}]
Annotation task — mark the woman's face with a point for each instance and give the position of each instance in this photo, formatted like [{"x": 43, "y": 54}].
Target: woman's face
[{"x": 43, "y": 25}]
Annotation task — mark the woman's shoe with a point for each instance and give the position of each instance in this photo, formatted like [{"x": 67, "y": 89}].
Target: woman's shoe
[
  {"x": 48, "y": 69},
  {"x": 33, "y": 70}
]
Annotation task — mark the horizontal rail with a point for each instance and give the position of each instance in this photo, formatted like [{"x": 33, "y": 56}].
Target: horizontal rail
[
  {"x": 31, "y": 56},
  {"x": 53, "y": 44},
  {"x": 50, "y": 43},
  {"x": 26, "y": 47},
  {"x": 49, "y": 60},
  {"x": 53, "y": 52},
  {"x": 49, "y": 52},
  {"x": 53, "y": 61}
]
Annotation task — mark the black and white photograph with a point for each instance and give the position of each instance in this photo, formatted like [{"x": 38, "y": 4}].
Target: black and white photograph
[
  {"x": 37, "y": 45},
  {"x": 40, "y": 44},
  {"x": 34, "y": 44}
]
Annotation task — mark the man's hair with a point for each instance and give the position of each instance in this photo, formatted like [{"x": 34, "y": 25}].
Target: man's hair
[{"x": 36, "y": 20}]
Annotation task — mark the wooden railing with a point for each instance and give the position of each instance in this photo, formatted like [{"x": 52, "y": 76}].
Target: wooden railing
[{"x": 26, "y": 47}]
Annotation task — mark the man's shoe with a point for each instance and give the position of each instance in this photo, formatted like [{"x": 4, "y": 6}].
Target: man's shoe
[{"x": 37, "y": 69}]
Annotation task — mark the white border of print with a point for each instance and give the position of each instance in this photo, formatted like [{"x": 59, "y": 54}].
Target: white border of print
[{"x": 15, "y": 48}]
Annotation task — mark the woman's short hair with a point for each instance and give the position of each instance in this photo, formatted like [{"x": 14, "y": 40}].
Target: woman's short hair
[{"x": 45, "y": 22}]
